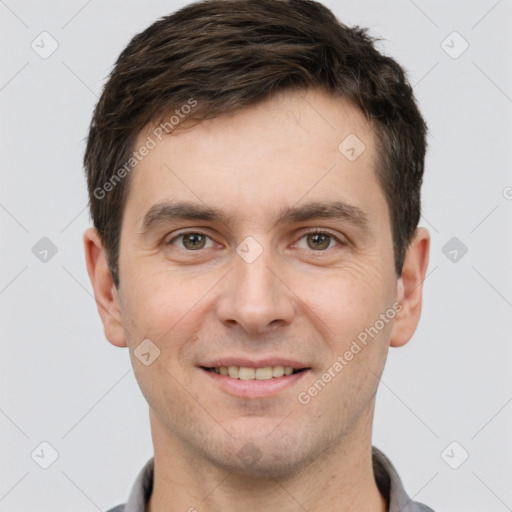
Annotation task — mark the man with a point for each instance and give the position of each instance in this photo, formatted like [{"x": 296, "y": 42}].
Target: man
[{"x": 254, "y": 171}]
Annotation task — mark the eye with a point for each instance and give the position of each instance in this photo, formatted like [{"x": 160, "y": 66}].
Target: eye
[
  {"x": 319, "y": 240},
  {"x": 191, "y": 240},
  {"x": 195, "y": 240}
]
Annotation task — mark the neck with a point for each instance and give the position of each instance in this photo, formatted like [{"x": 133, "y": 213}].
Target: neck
[{"x": 341, "y": 479}]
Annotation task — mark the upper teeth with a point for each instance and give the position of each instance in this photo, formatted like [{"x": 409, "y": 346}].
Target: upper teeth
[{"x": 246, "y": 373}]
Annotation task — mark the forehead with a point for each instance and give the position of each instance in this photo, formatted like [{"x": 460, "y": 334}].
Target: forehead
[{"x": 290, "y": 148}]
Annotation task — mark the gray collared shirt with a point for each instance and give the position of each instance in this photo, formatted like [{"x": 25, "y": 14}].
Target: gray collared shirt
[{"x": 387, "y": 479}]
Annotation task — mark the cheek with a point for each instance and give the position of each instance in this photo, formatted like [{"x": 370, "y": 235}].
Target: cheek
[
  {"x": 348, "y": 301},
  {"x": 357, "y": 341},
  {"x": 161, "y": 302},
  {"x": 168, "y": 310}
]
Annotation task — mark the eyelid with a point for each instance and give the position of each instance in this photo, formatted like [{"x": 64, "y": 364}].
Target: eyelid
[
  {"x": 307, "y": 231},
  {"x": 183, "y": 233},
  {"x": 340, "y": 239},
  {"x": 324, "y": 231}
]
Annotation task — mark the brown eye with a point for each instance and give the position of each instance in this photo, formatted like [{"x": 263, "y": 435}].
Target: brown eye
[
  {"x": 194, "y": 241},
  {"x": 318, "y": 241},
  {"x": 191, "y": 241}
]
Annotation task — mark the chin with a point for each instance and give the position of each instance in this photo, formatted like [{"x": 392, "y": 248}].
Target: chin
[
  {"x": 263, "y": 456},
  {"x": 264, "y": 467}
]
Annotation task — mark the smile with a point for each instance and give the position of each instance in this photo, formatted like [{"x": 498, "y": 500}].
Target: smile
[
  {"x": 254, "y": 382},
  {"x": 250, "y": 373}
]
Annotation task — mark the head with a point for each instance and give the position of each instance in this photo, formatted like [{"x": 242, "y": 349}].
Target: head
[{"x": 260, "y": 124}]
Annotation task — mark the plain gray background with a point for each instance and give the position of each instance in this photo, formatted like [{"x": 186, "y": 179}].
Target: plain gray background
[{"x": 62, "y": 383}]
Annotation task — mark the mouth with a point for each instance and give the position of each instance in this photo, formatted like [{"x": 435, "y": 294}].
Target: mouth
[
  {"x": 251, "y": 380},
  {"x": 254, "y": 373}
]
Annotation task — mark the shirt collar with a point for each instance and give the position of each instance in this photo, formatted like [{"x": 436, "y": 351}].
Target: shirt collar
[{"x": 386, "y": 477}]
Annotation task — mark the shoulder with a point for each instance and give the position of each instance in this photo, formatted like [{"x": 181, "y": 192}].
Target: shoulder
[
  {"x": 423, "y": 508},
  {"x": 414, "y": 506},
  {"x": 119, "y": 508},
  {"x": 391, "y": 486}
]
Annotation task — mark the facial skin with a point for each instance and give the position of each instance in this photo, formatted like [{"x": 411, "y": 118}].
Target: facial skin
[{"x": 302, "y": 299}]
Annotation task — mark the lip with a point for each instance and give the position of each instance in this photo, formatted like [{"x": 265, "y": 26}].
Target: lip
[
  {"x": 254, "y": 388},
  {"x": 252, "y": 363}
]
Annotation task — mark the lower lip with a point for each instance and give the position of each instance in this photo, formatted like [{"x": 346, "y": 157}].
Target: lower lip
[{"x": 254, "y": 388}]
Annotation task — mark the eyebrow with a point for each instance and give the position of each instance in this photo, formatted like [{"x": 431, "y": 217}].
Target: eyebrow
[{"x": 163, "y": 213}]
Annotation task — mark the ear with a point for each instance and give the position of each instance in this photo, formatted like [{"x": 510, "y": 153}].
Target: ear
[
  {"x": 410, "y": 288},
  {"x": 105, "y": 292}
]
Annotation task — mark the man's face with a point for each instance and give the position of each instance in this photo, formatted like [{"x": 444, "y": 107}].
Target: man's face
[{"x": 260, "y": 290}]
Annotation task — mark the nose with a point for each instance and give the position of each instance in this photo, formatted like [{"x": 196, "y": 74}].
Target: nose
[{"x": 255, "y": 296}]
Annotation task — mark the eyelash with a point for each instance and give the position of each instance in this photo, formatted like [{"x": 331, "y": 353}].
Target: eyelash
[{"x": 314, "y": 232}]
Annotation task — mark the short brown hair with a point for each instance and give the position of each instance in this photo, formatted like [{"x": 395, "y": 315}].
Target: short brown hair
[{"x": 227, "y": 54}]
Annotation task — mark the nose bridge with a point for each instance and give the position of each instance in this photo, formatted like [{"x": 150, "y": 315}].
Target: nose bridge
[{"x": 254, "y": 296}]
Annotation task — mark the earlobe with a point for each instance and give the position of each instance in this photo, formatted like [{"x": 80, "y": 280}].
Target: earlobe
[
  {"x": 410, "y": 288},
  {"x": 105, "y": 293}
]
